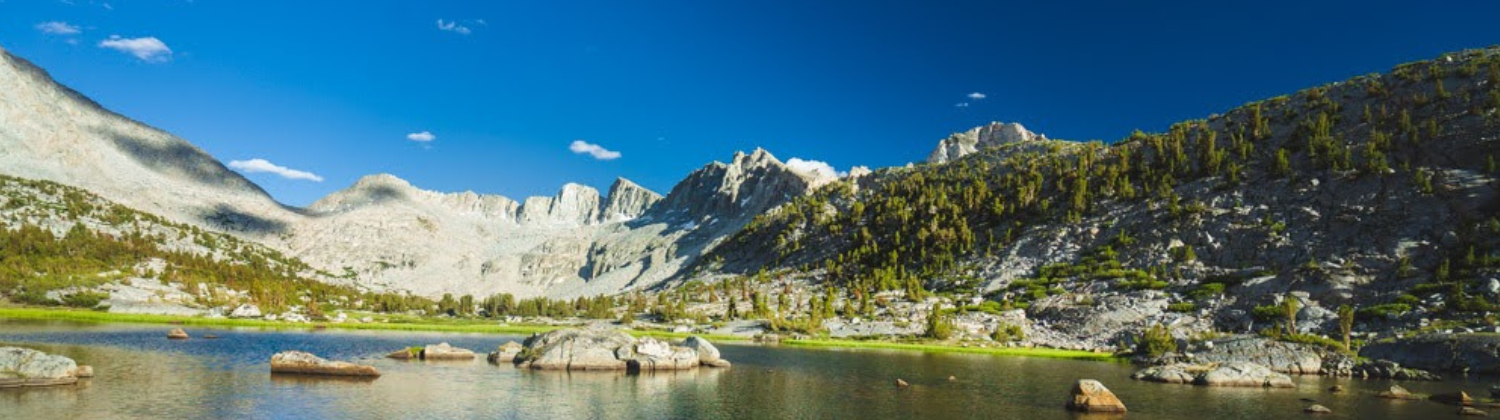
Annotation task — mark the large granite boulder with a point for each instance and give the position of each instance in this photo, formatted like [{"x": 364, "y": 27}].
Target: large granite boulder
[
  {"x": 607, "y": 349},
  {"x": 1235, "y": 374},
  {"x": 443, "y": 351},
  {"x": 21, "y": 367},
  {"x": 506, "y": 353},
  {"x": 309, "y": 364},
  {"x": 1474, "y": 353},
  {"x": 1090, "y": 396},
  {"x": 708, "y": 355}
]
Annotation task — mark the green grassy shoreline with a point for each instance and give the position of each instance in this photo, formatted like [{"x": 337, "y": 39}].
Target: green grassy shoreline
[{"x": 482, "y": 327}]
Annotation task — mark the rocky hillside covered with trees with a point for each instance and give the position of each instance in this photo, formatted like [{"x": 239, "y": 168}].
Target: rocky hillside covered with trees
[{"x": 1376, "y": 193}]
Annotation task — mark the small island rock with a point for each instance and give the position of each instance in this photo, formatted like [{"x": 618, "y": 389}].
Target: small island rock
[
  {"x": 177, "y": 334},
  {"x": 21, "y": 367},
  {"x": 1090, "y": 396},
  {"x": 443, "y": 351},
  {"x": 307, "y": 363}
]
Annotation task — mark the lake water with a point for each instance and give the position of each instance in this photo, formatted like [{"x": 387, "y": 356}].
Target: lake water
[{"x": 141, "y": 374}]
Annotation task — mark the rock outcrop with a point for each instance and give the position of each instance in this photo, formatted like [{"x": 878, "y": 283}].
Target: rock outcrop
[
  {"x": 1090, "y": 396},
  {"x": 1233, "y": 374},
  {"x": 21, "y": 367},
  {"x": 978, "y": 138},
  {"x": 1284, "y": 357},
  {"x": 605, "y": 349},
  {"x": 308, "y": 364},
  {"x": 1474, "y": 353}
]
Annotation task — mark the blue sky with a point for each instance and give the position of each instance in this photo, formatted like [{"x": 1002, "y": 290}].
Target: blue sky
[{"x": 334, "y": 89}]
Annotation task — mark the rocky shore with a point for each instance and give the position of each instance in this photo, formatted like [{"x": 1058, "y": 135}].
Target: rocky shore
[
  {"x": 21, "y": 367},
  {"x": 608, "y": 349}
]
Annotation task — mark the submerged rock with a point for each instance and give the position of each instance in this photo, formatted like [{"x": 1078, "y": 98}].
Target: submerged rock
[
  {"x": 901, "y": 383},
  {"x": 1237, "y": 374},
  {"x": 1317, "y": 409},
  {"x": 443, "y": 351},
  {"x": 606, "y": 349},
  {"x": 1090, "y": 396},
  {"x": 307, "y": 363},
  {"x": 20, "y": 367},
  {"x": 1396, "y": 392},
  {"x": 1471, "y": 411},
  {"x": 406, "y": 354},
  {"x": 1454, "y": 398},
  {"x": 506, "y": 353},
  {"x": 177, "y": 334}
]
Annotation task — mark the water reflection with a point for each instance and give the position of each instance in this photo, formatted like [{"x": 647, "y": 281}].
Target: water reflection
[{"x": 141, "y": 374}]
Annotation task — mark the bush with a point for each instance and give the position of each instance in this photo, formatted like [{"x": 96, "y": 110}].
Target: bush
[
  {"x": 1155, "y": 341},
  {"x": 88, "y": 299},
  {"x": 1207, "y": 290},
  {"x": 1009, "y": 332},
  {"x": 1182, "y": 307},
  {"x": 938, "y": 325},
  {"x": 1383, "y": 311},
  {"x": 1268, "y": 313}
]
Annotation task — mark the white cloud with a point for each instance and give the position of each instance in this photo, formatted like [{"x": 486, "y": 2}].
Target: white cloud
[
  {"x": 58, "y": 28},
  {"x": 597, "y": 151},
  {"x": 425, "y": 136},
  {"x": 815, "y": 168},
  {"x": 453, "y": 27},
  {"x": 147, "y": 49},
  {"x": 976, "y": 96},
  {"x": 962, "y": 104},
  {"x": 261, "y": 165}
]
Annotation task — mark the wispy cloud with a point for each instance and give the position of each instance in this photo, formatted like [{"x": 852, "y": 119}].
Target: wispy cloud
[
  {"x": 976, "y": 96},
  {"x": 962, "y": 104},
  {"x": 147, "y": 49},
  {"x": 262, "y": 165},
  {"x": 425, "y": 136},
  {"x": 58, "y": 28},
  {"x": 815, "y": 168},
  {"x": 453, "y": 26},
  {"x": 597, "y": 151}
]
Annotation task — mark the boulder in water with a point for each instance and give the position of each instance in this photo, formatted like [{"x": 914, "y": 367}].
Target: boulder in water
[
  {"x": 408, "y": 353},
  {"x": 309, "y": 364},
  {"x": 708, "y": 355},
  {"x": 1471, "y": 411},
  {"x": 443, "y": 351},
  {"x": 607, "y": 349},
  {"x": 506, "y": 353},
  {"x": 20, "y": 367},
  {"x": 1090, "y": 396},
  {"x": 177, "y": 334},
  {"x": 1454, "y": 398},
  {"x": 1233, "y": 374},
  {"x": 1396, "y": 392},
  {"x": 1317, "y": 409}
]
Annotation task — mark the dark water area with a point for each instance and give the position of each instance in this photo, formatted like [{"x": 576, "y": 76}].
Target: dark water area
[{"x": 143, "y": 375}]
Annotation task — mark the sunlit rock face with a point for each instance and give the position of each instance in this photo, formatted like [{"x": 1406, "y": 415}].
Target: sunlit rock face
[{"x": 978, "y": 138}]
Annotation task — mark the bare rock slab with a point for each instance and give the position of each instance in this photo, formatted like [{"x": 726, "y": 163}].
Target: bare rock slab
[
  {"x": 443, "y": 351},
  {"x": 308, "y": 364}
]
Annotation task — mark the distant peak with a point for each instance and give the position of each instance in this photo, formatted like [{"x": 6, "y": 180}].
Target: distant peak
[{"x": 381, "y": 180}]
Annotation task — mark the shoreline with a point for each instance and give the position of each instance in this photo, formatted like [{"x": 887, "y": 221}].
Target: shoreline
[{"x": 429, "y": 325}]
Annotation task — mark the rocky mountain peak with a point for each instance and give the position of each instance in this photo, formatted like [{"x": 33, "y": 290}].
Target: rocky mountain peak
[
  {"x": 978, "y": 138},
  {"x": 752, "y": 183},
  {"x": 627, "y": 201}
]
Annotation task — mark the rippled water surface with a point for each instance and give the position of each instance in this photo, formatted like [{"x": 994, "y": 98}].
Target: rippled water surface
[{"x": 141, "y": 374}]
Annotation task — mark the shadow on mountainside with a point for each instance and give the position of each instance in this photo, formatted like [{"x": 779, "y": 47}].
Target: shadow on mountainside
[{"x": 232, "y": 219}]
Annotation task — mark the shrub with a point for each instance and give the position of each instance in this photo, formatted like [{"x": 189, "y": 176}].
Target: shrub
[
  {"x": 1207, "y": 290},
  {"x": 938, "y": 325},
  {"x": 1155, "y": 341},
  {"x": 1267, "y": 313},
  {"x": 88, "y": 299},
  {"x": 1008, "y": 332},
  {"x": 1383, "y": 310},
  {"x": 1182, "y": 307}
]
